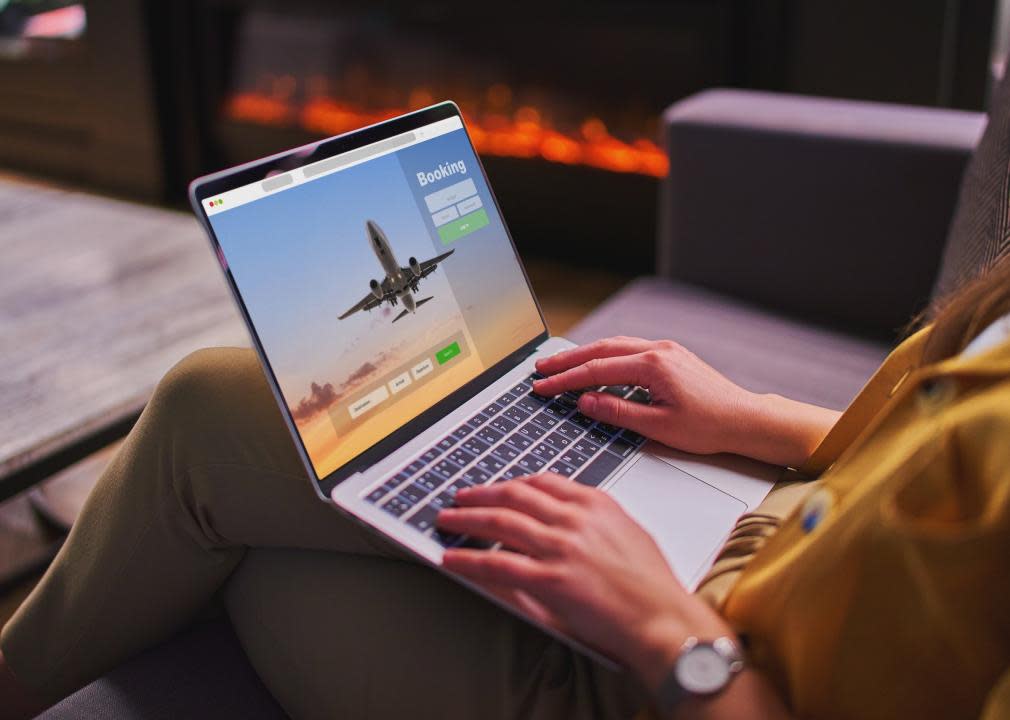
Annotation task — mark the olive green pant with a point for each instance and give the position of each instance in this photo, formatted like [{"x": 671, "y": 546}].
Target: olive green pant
[{"x": 207, "y": 498}]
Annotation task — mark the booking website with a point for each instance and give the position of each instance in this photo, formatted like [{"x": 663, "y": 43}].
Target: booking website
[{"x": 377, "y": 288}]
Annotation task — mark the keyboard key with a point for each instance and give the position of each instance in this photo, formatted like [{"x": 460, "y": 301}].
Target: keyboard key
[
  {"x": 563, "y": 469},
  {"x": 598, "y": 470},
  {"x": 598, "y": 437},
  {"x": 584, "y": 447},
  {"x": 413, "y": 468},
  {"x": 633, "y": 437},
  {"x": 475, "y": 446},
  {"x": 491, "y": 464},
  {"x": 443, "y": 499},
  {"x": 489, "y": 435},
  {"x": 502, "y": 424},
  {"x": 492, "y": 410},
  {"x": 513, "y": 472},
  {"x": 462, "y": 431},
  {"x": 545, "y": 420},
  {"x": 621, "y": 447},
  {"x": 557, "y": 410},
  {"x": 566, "y": 401},
  {"x": 506, "y": 399},
  {"x": 576, "y": 460},
  {"x": 527, "y": 403},
  {"x": 607, "y": 428},
  {"x": 477, "y": 476},
  {"x": 430, "y": 455},
  {"x": 446, "y": 539},
  {"x": 531, "y": 431},
  {"x": 424, "y": 519},
  {"x": 581, "y": 420},
  {"x": 558, "y": 440},
  {"x": 544, "y": 451},
  {"x": 376, "y": 494},
  {"x": 477, "y": 420},
  {"x": 640, "y": 395},
  {"x": 447, "y": 442},
  {"x": 516, "y": 414},
  {"x": 413, "y": 494},
  {"x": 618, "y": 390},
  {"x": 518, "y": 441},
  {"x": 531, "y": 463},
  {"x": 429, "y": 481},
  {"x": 505, "y": 452},
  {"x": 395, "y": 481},
  {"x": 446, "y": 468},
  {"x": 570, "y": 429},
  {"x": 397, "y": 506},
  {"x": 461, "y": 456}
]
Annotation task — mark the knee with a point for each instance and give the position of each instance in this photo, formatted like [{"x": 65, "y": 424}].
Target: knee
[{"x": 208, "y": 389}]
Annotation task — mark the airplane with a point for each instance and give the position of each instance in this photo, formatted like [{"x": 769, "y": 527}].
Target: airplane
[{"x": 400, "y": 282}]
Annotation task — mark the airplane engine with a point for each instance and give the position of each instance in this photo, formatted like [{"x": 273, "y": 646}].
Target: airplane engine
[
  {"x": 376, "y": 290},
  {"x": 415, "y": 267}
]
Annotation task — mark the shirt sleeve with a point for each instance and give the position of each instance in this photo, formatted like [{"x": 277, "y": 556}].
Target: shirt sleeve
[{"x": 997, "y": 704}]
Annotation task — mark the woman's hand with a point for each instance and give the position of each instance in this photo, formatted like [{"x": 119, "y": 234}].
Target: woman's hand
[
  {"x": 582, "y": 566},
  {"x": 693, "y": 408}
]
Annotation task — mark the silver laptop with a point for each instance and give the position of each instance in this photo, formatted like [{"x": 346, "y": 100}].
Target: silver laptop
[{"x": 399, "y": 332}]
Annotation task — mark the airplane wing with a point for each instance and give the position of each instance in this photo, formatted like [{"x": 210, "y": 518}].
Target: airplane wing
[
  {"x": 368, "y": 302},
  {"x": 428, "y": 266}
]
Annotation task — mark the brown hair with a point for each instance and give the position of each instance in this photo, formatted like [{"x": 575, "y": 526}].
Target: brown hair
[{"x": 962, "y": 314}]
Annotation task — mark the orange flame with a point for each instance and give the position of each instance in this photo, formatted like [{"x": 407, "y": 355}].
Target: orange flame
[{"x": 523, "y": 134}]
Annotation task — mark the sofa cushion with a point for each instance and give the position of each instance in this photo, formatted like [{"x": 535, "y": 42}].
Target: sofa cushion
[
  {"x": 201, "y": 674},
  {"x": 759, "y": 350}
]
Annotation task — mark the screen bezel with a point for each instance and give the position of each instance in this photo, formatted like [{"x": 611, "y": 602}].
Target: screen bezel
[{"x": 258, "y": 170}]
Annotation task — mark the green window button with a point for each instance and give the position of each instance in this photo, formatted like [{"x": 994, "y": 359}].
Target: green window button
[
  {"x": 465, "y": 225},
  {"x": 447, "y": 353}
]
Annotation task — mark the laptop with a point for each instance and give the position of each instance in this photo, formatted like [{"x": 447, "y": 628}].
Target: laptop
[{"x": 398, "y": 331}]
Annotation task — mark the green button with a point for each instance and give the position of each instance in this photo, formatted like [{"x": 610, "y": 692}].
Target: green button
[
  {"x": 447, "y": 353},
  {"x": 463, "y": 226}
]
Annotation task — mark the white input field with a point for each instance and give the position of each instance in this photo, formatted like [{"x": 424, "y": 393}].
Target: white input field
[
  {"x": 450, "y": 195},
  {"x": 422, "y": 369},
  {"x": 469, "y": 205},
  {"x": 369, "y": 401},
  {"x": 399, "y": 382},
  {"x": 444, "y": 216}
]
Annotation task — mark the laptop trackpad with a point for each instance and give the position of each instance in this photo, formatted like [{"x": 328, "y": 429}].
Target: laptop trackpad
[{"x": 687, "y": 517}]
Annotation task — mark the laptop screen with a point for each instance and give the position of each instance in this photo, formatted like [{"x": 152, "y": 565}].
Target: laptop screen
[{"x": 378, "y": 281}]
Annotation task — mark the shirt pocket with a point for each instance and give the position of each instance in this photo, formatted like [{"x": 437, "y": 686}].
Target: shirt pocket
[{"x": 939, "y": 493}]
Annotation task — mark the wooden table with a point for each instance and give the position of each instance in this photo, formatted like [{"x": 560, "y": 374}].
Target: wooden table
[{"x": 98, "y": 298}]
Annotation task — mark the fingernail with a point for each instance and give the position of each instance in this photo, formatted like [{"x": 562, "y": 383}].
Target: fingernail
[{"x": 588, "y": 403}]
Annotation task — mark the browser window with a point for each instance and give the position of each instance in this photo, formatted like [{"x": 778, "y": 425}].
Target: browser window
[{"x": 379, "y": 281}]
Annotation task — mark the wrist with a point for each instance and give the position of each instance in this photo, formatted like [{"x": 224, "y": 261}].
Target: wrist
[
  {"x": 661, "y": 641},
  {"x": 781, "y": 431}
]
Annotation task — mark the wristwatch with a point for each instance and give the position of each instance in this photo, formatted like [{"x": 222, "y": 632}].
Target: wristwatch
[{"x": 702, "y": 669}]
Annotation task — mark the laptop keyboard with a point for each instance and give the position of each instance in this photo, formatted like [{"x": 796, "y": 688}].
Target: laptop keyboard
[{"x": 520, "y": 433}]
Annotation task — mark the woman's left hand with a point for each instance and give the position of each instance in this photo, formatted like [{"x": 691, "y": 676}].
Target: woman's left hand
[{"x": 582, "y": 566}]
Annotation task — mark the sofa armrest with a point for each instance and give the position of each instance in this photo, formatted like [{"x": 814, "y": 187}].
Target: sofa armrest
[{"x": 831, "y": 209}]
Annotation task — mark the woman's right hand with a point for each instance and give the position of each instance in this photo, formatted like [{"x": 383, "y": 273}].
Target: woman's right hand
[{"x": 694, "y": 408}]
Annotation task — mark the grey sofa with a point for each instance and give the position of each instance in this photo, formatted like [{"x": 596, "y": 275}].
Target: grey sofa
[{"x": 797, "y": 238}]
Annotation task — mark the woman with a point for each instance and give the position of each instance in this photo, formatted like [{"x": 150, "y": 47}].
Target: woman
[{"x": 883, "y": 595}]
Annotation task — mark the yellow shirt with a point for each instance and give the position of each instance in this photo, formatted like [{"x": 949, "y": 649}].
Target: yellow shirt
[{"x": 896, "y": 603}]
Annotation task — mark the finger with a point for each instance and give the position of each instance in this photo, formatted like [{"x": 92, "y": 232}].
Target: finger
[
  {"x": 501, "y": 525},
  {"x": 644, "y": 419},
  {"x": 499, "y": 568},
  {"x": 518, "y": 496},
  {"x": 608, "y": 347},
  {"x": 623, "y": 370}
]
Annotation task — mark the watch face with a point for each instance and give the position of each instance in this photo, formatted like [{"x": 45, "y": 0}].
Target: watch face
[{"x": 702, "y": 670}]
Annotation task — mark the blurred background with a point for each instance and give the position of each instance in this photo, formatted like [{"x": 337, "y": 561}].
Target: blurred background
[{"x": 563, "y": 99}]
